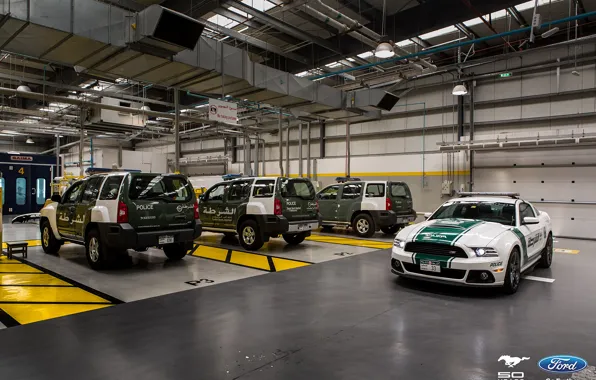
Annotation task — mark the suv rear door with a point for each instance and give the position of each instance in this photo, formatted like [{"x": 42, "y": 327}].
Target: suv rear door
[
  {"x": 298, "y": 199},
  {"x": 328, "y": 203},
  {"x": 159, "y": 201},
  {"x": 401, "y": 198},
  {"x": 349, "y": 201}
]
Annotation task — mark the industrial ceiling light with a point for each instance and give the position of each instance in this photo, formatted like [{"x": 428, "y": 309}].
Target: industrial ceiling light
[
  {"x": 145, "y": 108},
  {"x": 30, "y": 140},
  {"x": 460, "y": 90},
  {"x": 24, "y": 88},
  {"x": 550, "y": 32},
  {"x": 384, "y": 50}
]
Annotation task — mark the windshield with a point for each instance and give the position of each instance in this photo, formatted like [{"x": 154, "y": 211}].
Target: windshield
[
  {"x": 159, "y": 187},
  {"x": 503, "y": 213},
  {"x": 296, "y": 188}
]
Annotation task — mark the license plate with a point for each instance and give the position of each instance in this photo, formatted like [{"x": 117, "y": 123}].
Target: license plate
[
  {"x": 430, "y": 266},
  {"x": 302, "y": 227},
  {"x": 166, "y": 239}
]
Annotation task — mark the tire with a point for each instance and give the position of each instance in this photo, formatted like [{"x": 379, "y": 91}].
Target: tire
[
  {"x": 547, "y": 253},
  {"x": 250, "y": 235},
  {"x": 294, "y": 239},
  {"x": 96, "y": 250},
  {"x": 391, "y": 230},
  {"x": 175, "y": 251},
  {"x": 363, "y": 225},
  {"x": 513, "y": 273},
  {"x": 49, "y": 243},
  {"x": 229, "y": 235},
  {"x": 327, "y": 228}
]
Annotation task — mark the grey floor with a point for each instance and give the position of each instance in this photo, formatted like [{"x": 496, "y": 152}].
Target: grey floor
[{"x": 339, "y": 319}]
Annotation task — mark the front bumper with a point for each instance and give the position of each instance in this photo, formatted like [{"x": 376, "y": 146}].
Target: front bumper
[
  {"x": 124, "y": 236},
  {"x": 457, "y": 271}
]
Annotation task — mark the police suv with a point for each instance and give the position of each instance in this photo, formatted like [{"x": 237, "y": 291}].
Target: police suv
[
  {"x": 366, "y": 206},
  {"x": 258, "y": 209},
  {"x": 112, "y": 212}
]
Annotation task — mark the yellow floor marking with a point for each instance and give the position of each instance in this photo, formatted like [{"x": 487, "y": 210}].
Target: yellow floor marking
[
  {"x": 46, "y": 294},
  {"x": 350, "y": 241},
  {"x": 568, "y": 251},
  {"x": 250, "y": 260},
  {"x": 5, "y": 260},
  {"x": 30, "y": 279},
  {"x": 17, "y": 268},
  {"x": 284, "y": 264},
  {"x": 29, "y": 313},
  {"x": 218, "y": 254}
]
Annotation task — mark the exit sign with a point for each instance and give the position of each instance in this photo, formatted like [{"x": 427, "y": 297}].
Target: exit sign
[{"x": 505, "y": 75}]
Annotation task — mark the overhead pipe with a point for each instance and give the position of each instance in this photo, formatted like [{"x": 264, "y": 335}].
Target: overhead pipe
[
  {"x": 281, "y": 153},
  {"x": 453, "y": 46},
  {"x": 288, "y": 150},
  {"x": 353, "y": 24},
  {"x": 342, "y": 28},
  {"x": 308, "y": 150},
  {"x": 300, "y": 173}
]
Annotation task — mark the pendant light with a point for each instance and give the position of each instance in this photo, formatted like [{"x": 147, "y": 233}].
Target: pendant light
[
  {"x": 460, "y": 90},
  {"x": 29, "y": 140},
  {"x": 385, "y": 47}
]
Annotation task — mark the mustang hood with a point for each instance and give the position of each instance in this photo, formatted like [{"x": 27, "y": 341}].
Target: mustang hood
[{"x": 469, "y": 232}]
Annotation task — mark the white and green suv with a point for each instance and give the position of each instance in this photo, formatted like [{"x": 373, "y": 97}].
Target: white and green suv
[
  {"x": 110, "y": 213},
  {"x": 367, "y": 206},
  {"x": 261, "y": 208}
]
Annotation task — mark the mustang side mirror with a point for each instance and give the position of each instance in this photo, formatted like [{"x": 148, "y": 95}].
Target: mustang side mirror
[
  {"x": 427, "y": 215},
  {"x": 56, "y": 198},
  {"x": 531, "y": 220}
]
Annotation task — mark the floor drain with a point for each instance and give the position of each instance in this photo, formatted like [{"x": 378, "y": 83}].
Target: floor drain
[{"x": 587, "y": 374}]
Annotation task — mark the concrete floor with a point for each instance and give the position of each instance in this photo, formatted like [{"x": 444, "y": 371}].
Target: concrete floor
[{"x": 348, "y": 318}]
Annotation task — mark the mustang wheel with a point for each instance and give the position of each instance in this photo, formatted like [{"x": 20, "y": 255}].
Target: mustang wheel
[
  {"x": 49, "y": 243},
  {"x": 513, "y": 273},
  {"x": 363, "y": 225},
  {"x": 547, "y": 253}
]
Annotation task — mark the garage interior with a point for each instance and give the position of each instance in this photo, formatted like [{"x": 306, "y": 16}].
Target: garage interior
[{"x": 445, "y": 95}]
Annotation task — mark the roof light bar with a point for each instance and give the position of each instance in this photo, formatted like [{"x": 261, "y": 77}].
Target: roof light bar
[{"x": 488, "y": 193}]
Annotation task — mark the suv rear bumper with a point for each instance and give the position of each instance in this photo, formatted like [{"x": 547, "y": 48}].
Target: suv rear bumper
[
  {"x": 384, "y": 218},
  {"x": 278, "y": 225},
  {"x": 124, "y": 236},
  {"x": 406, "y": 218}
]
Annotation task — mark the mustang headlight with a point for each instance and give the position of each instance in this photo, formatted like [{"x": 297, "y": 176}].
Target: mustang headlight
[
  {"x": 401, "y": 244},
  {"x": 485, "y": 252}
]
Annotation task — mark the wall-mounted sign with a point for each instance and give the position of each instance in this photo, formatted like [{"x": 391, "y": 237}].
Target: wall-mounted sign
[
  {"x": 224, "y": 112},
  {"x": 21, "y": 158}
]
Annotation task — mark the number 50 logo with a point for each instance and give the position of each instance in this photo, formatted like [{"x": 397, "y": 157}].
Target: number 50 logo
[{"x": 511, "y": 375}]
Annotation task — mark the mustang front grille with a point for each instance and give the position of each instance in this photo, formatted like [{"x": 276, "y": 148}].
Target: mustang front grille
[{"x": 436, "y": 249}]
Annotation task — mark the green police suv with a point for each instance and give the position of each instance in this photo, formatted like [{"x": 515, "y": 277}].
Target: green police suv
[
  {"x": 112, "y": 212},
  {"x": 261, "y": 208},
  {"x": 366, "y": 206}
]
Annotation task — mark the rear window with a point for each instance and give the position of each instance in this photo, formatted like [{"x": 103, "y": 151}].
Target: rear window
[
  {"x": 292, "y": 188},
  {"x": 400, "y": 190},
  {"x": 110, "y": 188},
  {"x": 375, "y": 190},
  {"x": 264, "y": 188},
  {"x": 159, "y": 187}
]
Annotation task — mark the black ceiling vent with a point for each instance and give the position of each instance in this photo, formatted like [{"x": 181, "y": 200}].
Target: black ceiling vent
[
  {"x": 163, "y": 31},
  {"x": 387, "y": 102}
]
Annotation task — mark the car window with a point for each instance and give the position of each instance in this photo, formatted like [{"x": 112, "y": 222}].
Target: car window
[
  {"x": 399, "y": 190},
  {"x": 264, "y": 188},
  {"x": 351, "y": 191},
  {"x": 91, "y": 191},
  {"x": 239, "y": 190},
  {"x": 111, "y": 188},
  {"x": 503, "y": 213},
  {"x": 297, "y": 188},
  {"x": 72, "y": 194},
  {"x": 526, "y": 211},
  {"x": 217, "y": 192},
  {"x": 159, "y": 187},
  {"x": 375, "y": 190},
  {"x": 329, "y": 193}
]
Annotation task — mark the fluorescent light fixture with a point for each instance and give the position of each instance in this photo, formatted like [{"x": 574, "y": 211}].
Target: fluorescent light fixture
[
  {"x": 145, "y": 108},
  {"x": 404, "y": 43},
  {"x": 47, "y": 110},
  {"x": 366, "y": 54},
  {"x": 460, "y": 90},
  {"x": 243, "y": 29},
  {"x": 30, "y": 140},
  {"x": 550, "y": 32},
  {"x": 351, "y": 59},
  {"x": 384, "y": 50},
  {"x": 439, "y": 32},
  {"x": 10, "y": 132}
]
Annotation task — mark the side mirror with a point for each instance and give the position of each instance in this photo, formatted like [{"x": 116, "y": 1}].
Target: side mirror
[
  {"x": 427, "y": 215},
  {"x": 56, "y": 198},
  {"x": 530, "y": 220}
]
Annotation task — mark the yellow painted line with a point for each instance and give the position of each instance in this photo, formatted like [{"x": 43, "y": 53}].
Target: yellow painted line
[
  {"x": 568, "y": 251},
  {"x": 284, "y": 264},
  {"x": 349, "y": 241},
  {"x": 250, "y": 260},
  {"x": 5, "y": 260},
  {"x": 29, "y": 313},
  {"x": 212, "y": 253},
  {"x": 27, "y": 294},
  {"x": 21, "y": 268},
  {"x": 31, "y": 279}
]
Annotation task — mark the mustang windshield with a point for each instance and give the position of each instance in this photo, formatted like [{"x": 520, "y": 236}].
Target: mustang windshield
[{"x": 503, "y": 213}]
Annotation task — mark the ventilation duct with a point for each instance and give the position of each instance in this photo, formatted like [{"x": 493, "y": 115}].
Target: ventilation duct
[{"x": 163, "y": 30}]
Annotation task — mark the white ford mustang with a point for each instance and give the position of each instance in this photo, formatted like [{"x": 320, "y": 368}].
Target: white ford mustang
[{"x": 479, "y": 239}]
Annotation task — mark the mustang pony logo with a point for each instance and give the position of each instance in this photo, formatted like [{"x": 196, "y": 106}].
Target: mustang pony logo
[{"x": 512, "y": 361}]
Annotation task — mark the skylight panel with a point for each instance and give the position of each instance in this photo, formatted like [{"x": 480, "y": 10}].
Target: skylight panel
[
  {"x": 439, "y": 32},
  {"x": 260, "y": 5},
  {"x": 366, "y": 54},
  {"x": 222, "y": 21}
]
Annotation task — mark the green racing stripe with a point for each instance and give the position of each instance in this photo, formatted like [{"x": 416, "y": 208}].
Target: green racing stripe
[
  {"x": 445, "y": 231},
  {"x": 524, "y": 246}
]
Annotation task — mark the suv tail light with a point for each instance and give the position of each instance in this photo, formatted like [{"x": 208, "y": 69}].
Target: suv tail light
[
  {"x": 122, "y": 213},
  {"x": 387, "y": 204},
  {"x": 277, "y": 207},
  {"x": 196, "y": 208}
]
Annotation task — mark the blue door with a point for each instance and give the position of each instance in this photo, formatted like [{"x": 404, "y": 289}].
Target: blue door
[{"x": 17, "y": 188}]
